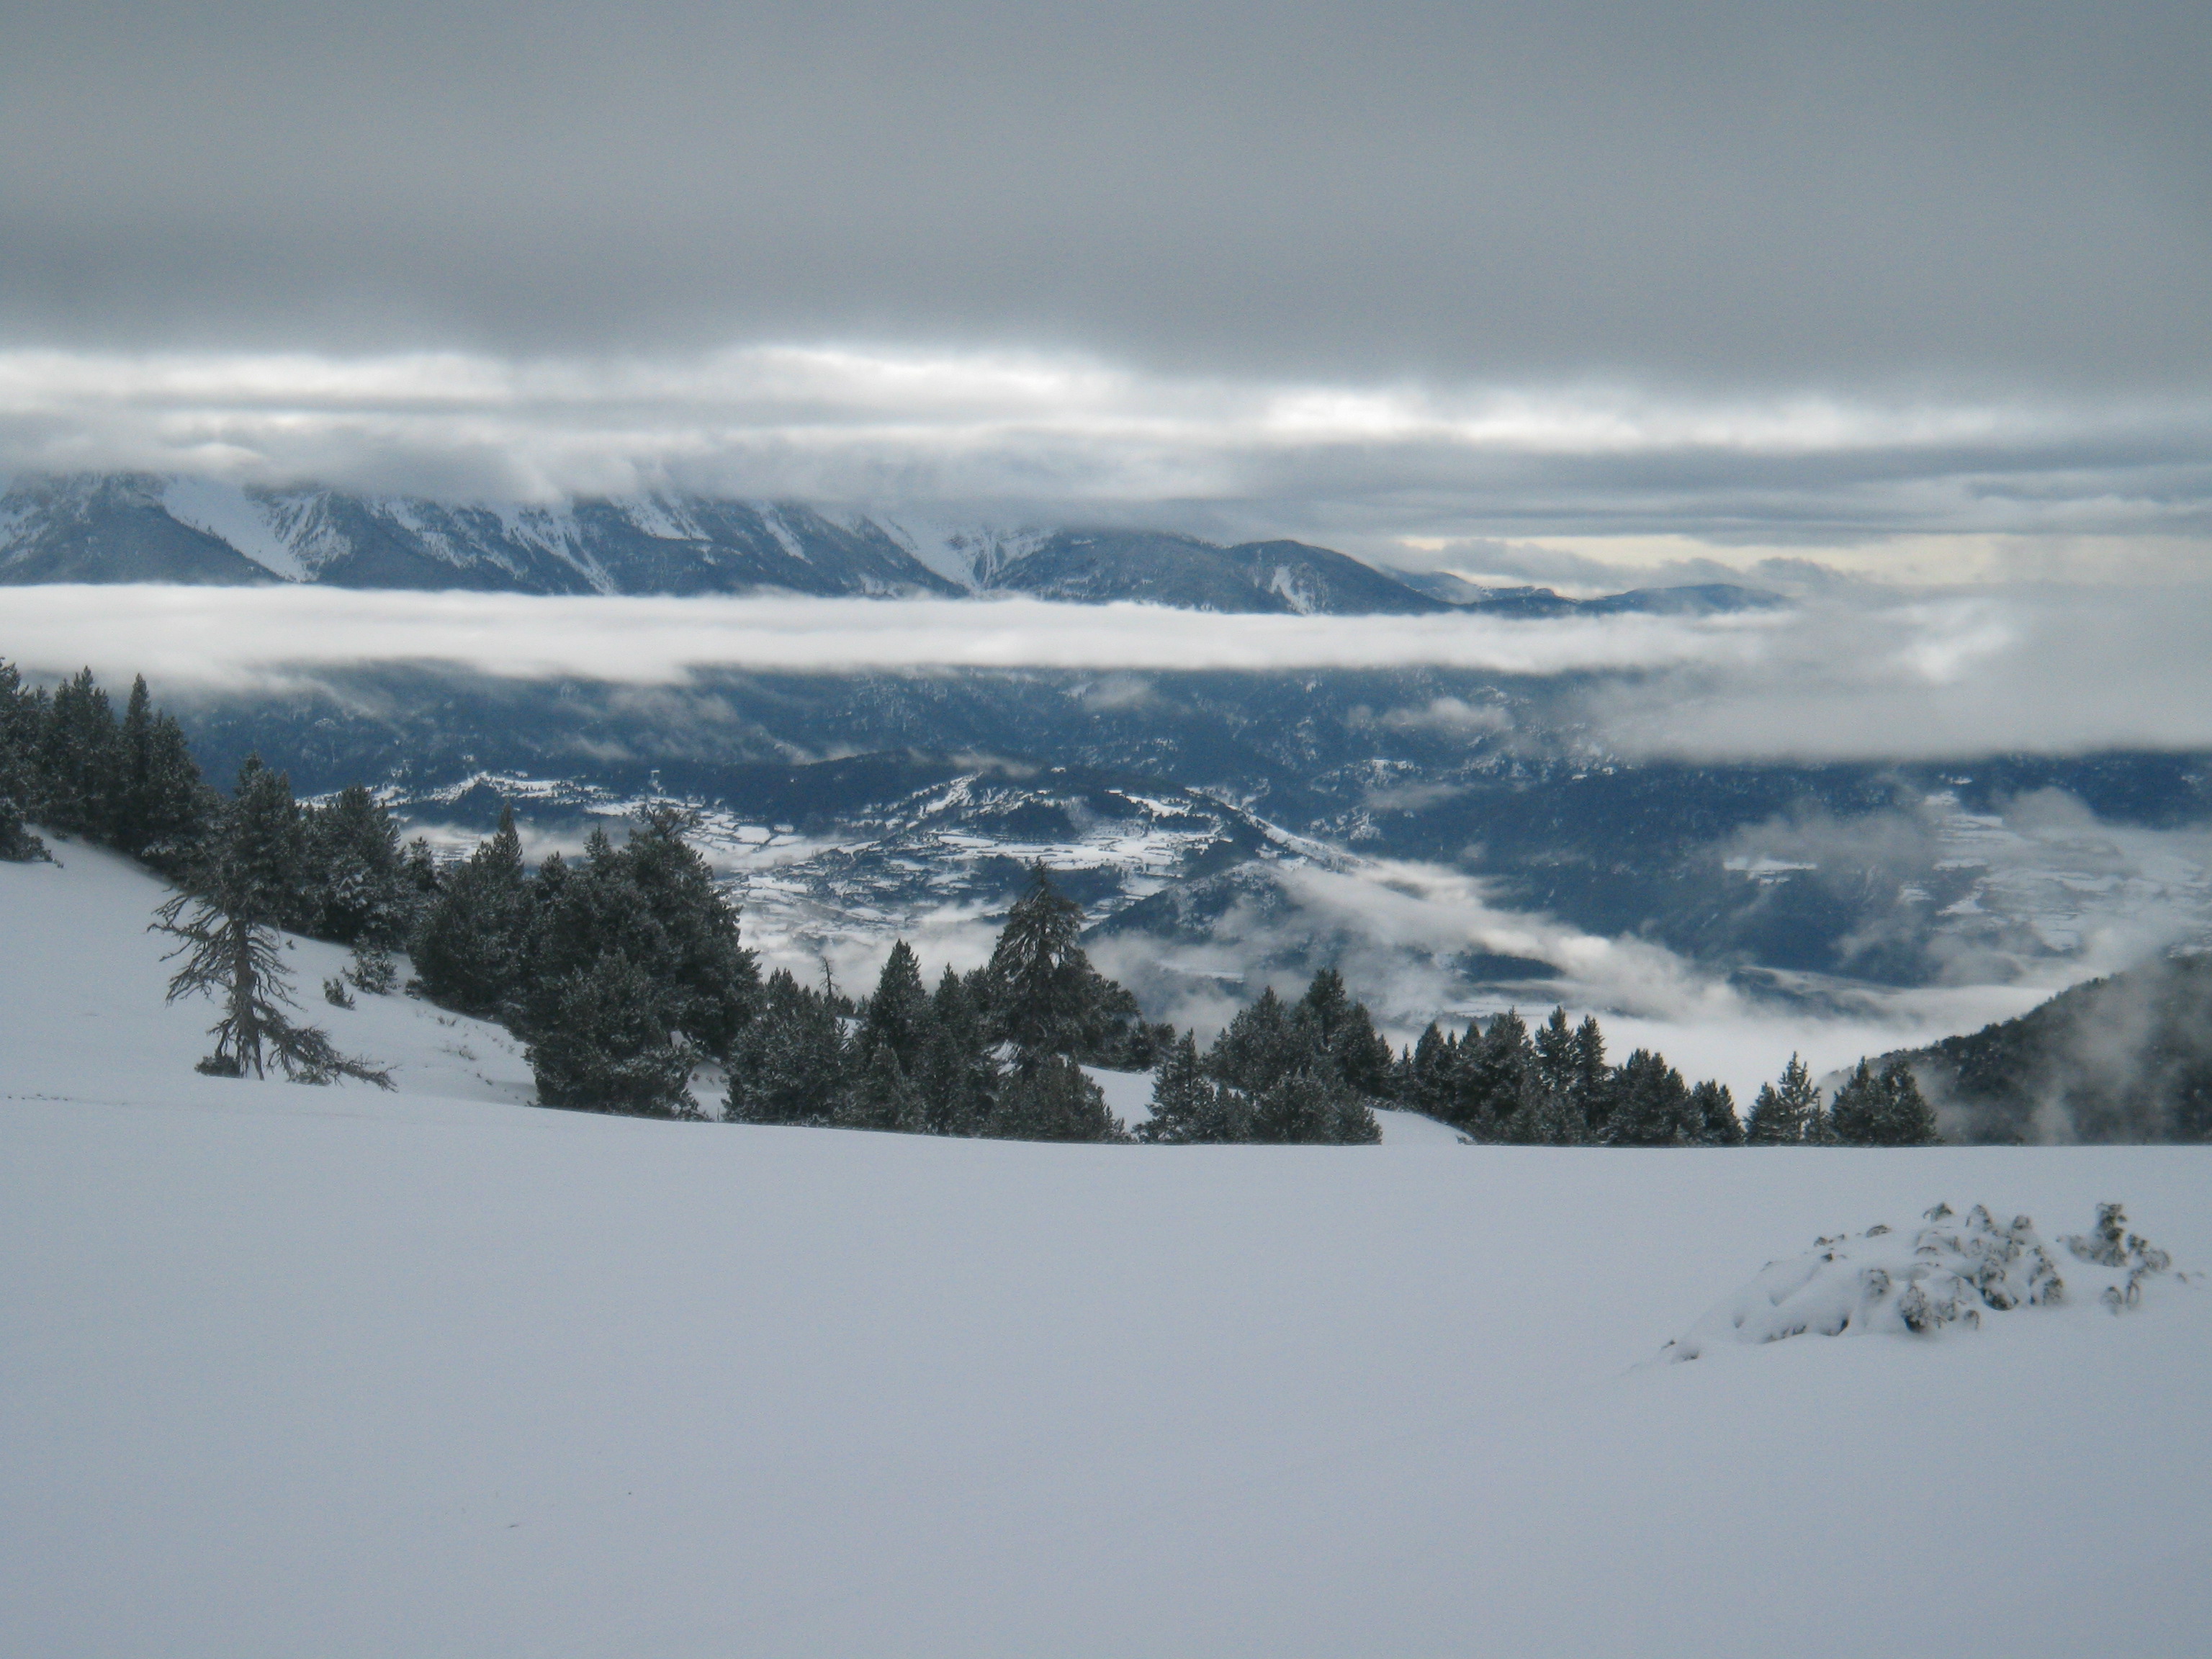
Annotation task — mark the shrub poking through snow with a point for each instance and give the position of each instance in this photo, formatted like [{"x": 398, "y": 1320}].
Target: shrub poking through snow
[
  {"x": 2112, "y": 1246},
  {"x": 1949, "y": 1271}
]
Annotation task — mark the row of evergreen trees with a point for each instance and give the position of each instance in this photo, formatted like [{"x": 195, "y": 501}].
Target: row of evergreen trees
[
  {"x": 67, "y": 761},
  {"x": 622, "y": 972}
]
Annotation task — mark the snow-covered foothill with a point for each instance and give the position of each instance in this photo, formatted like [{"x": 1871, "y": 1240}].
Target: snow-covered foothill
[
  {"x": 288, "y": 1371},
  {"x": 1916, "y": 1281}
]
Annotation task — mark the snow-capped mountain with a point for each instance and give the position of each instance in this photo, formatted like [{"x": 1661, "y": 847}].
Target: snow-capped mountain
[{"x": 139, "y": 527}]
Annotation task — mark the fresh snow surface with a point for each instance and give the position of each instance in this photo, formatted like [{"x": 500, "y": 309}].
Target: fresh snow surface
[{"x": 293, "y": 1371}]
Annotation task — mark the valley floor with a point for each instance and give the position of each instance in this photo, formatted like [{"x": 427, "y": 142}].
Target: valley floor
[{"x": 328, "y": 1372}]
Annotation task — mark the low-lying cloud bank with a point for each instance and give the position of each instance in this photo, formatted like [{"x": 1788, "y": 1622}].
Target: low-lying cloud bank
[
  {"x": 1865, "y": 678},
  {"x": 232, "y": 636}
]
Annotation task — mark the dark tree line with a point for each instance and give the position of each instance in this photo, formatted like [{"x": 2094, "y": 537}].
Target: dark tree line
[
  {"x": 1554, "y": 1087},
  {"x": 997, "y": 1051},
  {"x": 68, "y": 762},
  {"x": 622, "y": 972}
]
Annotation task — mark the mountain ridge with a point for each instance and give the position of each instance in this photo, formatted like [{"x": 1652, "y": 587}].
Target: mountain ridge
[{"x": 129, "y": 527}]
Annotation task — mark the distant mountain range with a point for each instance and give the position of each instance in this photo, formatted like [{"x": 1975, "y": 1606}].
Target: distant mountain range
[{"x": 138, "y": 527}]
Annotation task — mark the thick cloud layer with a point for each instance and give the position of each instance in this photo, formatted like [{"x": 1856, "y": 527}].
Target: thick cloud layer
[
  {"x": 1810, "y": 195},
  {"x": 1856, "y": 677},
  {"x": 1403, "y": 470}
]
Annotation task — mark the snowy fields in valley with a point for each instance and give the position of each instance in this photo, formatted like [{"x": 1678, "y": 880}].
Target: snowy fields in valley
[{"x": 330, "y": 1371}]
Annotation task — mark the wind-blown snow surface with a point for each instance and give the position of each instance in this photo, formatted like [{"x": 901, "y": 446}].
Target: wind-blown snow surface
[{"x": 294, "y": 1370}]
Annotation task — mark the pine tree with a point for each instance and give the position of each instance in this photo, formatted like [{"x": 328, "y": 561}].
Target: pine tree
[
  {"x": 1554, "y": 1043},
  {"x": 606, "y": 1046},
  {"x": 1183, "y": 1102},
  {"x": 1428, "y": 1076},
  {"x": 1592, "y": 1091},
  {"x": 1040, "y": 991},
  {"x": 470, "y": 947},
  {"x": 1036, "y": 1000},
  {"x": 1884, "y": 1108},
  {"x": 691, "y": 948},
  {"x": 1259, "y": 1047},
  {"x": 359, "y": 893},
  {"x": 897, "y": 1016},
  {"x": 957, "y": 1075},
  {"x": 1339, "y": 1031},
  {"x": 790, "y": 1062},
  {"x": 17, "y": 844},
  {"x": 1907, "y": 1120},
  {"x": 1049, "y": 1098},
  {"x": 1712, "y": 1114},
  {"x": 78, "y": 762},
  {"x": 1651, "y": 1105},
  {"x": 1545, "y": 1116},
  {"x": 1783, "y": 1111},
  {"x": 882, "y": 1097},
  {"x": 261, "y": 848},
  {"x": 1495, "y": 1073},
  {"x": 20, "y": 717}
]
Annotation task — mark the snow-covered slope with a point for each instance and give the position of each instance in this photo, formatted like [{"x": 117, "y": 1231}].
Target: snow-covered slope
[
  {"x": 85, "y": 1015},
  {"x": 293, "y": 1370}
]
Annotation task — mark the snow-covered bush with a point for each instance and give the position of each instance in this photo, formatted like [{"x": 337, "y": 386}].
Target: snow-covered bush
[{"x": 1948, "y": 1271}]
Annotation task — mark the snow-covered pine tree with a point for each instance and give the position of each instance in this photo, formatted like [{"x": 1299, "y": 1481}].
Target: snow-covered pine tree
[
  {"x": 789, "y": 1065},
  {"x": 358, "y": 888},
  {"x": 605, "y": 1045}
]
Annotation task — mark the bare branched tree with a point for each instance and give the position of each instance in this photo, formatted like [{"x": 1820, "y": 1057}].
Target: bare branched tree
[{"x": 237, "y": 962}]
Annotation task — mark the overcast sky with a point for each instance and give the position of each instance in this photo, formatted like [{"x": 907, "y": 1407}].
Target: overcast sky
[{"x": 1761, "y": 276}]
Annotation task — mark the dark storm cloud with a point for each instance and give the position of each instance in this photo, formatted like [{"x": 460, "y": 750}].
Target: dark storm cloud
[{"x": 1978, "y": 198}]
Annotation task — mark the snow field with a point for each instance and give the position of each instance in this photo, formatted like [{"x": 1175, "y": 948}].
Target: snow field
[{"x": 293, "y": 1370}]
